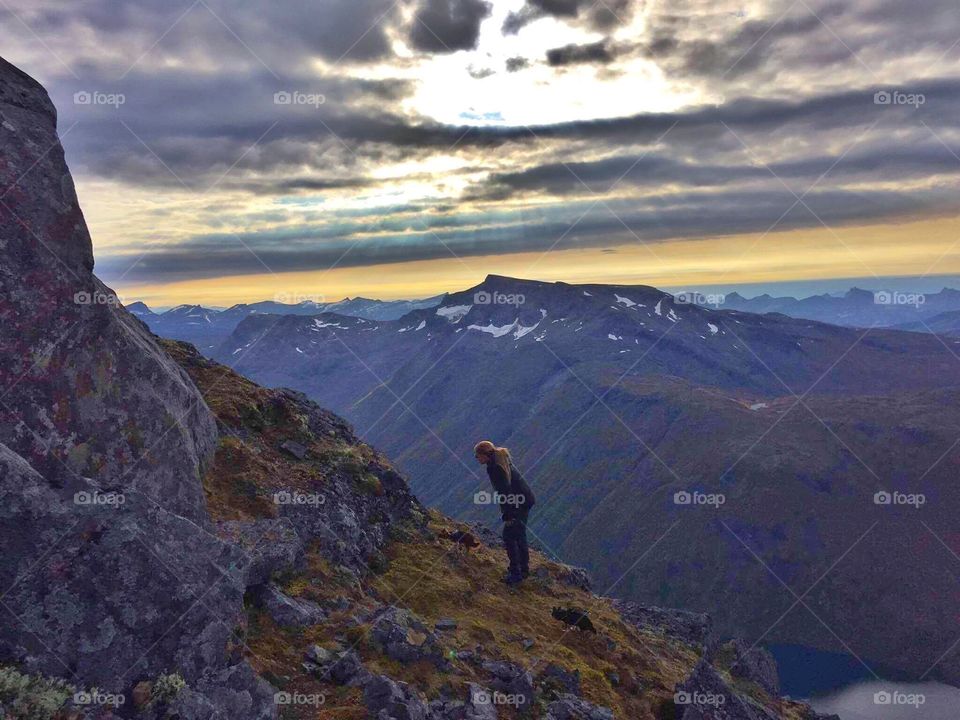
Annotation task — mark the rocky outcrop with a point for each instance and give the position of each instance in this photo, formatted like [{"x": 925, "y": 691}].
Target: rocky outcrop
[
  {"x": 110, "y": 568},
  {"x": 706, "y": 696},
  {"x": 692, "y": 628},
  {"x": 755, "y": 664}
]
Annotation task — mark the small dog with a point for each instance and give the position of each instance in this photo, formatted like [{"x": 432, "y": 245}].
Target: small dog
[
  {"x": 574, "y": 617},
  {"x": 466, "y": 541}
]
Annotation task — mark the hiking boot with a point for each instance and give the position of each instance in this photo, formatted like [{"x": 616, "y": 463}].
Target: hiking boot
[
  {"x": 512, "y": 578},
  {"x": 525, "y": 573}
]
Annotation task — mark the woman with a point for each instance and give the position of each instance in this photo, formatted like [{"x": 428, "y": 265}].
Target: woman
[{"x": 515, "y": 499}]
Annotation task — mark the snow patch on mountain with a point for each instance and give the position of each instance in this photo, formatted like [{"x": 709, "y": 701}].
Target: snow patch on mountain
[
  {"x": 454, "y": 313},
  {"x": 713, "y": 328},
  {"x": 624, "y": 300}
]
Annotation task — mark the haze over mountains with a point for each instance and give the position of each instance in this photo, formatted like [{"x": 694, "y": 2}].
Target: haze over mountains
[
  {"x": 207, "y": 328},
  {"x": 855, "y": 308},
  {"x": 617, "y": 398}
]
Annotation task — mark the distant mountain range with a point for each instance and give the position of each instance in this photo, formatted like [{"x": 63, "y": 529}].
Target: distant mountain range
[
  {"x": 855, "y": 308},
  {"x": 207, "y": 328},
  {"x": 621, "y": 402}
]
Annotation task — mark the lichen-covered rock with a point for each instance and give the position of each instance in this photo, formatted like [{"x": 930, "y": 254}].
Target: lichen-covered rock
[{"x": 110, "y": 567}]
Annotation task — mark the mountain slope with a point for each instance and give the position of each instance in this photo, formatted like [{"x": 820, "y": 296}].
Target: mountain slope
[
  {"x": 947, "y": 323},
  {"x": 616, "y": 398}
]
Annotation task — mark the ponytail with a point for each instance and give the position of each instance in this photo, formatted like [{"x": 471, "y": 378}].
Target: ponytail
[{"x": 501, "y": 456}]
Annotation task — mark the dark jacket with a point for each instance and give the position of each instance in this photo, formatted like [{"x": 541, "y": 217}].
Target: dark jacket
[{"x": 513, "y": 495}]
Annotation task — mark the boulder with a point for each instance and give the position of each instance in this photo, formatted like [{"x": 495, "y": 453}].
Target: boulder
[
  {"x": 270, "y": 545},
  {"x": 570, "y": 707},
  {"x": 560, "y": 680},
  {"x": 404, "y": 637},
  {"x": 288, "y": 611},
  {"x": 511, "y": 680},
  {"x": 389, "y": 700}
]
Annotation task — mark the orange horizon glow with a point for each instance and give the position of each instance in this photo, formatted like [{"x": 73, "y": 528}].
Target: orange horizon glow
[{"x": 916, "y": 248}]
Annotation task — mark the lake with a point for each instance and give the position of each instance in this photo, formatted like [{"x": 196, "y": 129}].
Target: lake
[{"x": 839, "y": 684}]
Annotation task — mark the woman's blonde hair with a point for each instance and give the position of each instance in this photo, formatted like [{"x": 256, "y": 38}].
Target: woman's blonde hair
[{"x": 501, "y": 456}]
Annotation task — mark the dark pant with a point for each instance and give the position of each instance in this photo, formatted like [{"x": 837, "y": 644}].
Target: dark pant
[{"x": 515, "y": 539}]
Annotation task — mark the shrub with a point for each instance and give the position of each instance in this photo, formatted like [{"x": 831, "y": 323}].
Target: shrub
[
  {"x": 167, "y": 687},
  {"x": 32, "y": 697}
]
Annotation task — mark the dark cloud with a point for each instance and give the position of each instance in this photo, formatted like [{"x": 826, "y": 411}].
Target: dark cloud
[
  {"x": 516, "y": 64},
  {"x": 480, "y": 73},
  {"x": 603, "y": 16},
  {"x": 656, "y": 219},
  {"x": 441, "y": 26},
  {"x": 274, "y": 33},
  {"x": 597, "y": 52}
]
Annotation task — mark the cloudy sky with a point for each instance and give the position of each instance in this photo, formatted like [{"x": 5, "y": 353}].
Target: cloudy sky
[{"x": 232, "y": 150}]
